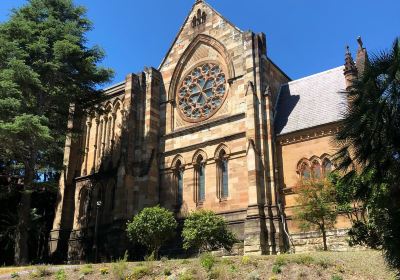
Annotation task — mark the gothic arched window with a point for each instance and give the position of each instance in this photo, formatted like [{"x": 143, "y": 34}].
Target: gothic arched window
[
  {"x": 327, "y": 167},
  {"x": 316, "y": 170},
  {"x": 305, "y": 171},
  {"x": 222, "y": 175},
  {"x": 179, "y": 182},
  {"x": 202, "y": 92},
  {"x": 200, "y": 179}
]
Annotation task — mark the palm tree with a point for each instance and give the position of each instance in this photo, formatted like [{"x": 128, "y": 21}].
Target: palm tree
[{"x": 369, "y": 142}]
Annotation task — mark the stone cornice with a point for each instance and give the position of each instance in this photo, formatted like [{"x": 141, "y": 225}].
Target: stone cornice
[
  {"x": 308, "y": 134},
  {"x": 202, "y": 126}
]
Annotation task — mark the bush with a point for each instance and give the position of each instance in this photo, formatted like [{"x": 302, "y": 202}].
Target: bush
[
  {"x": 205, "y": 231},
  {"x": 280, "y": 260},
  {"x": 119, "y": 267},
  {"x": 254, "y": 276},
  {"x": 303, "y": 259},
  {"x": 104, "y": 270},
  {"x": 152, "y": 227},
  {"x": 276, "y": 269},
  {"x": 245, "y": 260},
  {"x": 139, "y": 272},
  {"x": 207, "y": 261},
  {"x": 60, "y": 275},
  {"x": 14, "y": 275},
  {"x": 41, "y": 271},
  {"x": 336, "y": 277},
  {"x": 87, "y": 269}
]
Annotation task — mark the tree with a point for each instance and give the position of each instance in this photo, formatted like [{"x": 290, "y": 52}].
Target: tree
[
  {"x": 152, "y": 227},
  {"x": 370, "y": 147},
  {"x": 316, "y": 198},
  {"x": 205, "y": 231},
  {"x": 44, "y": 67},
  {"x": 352, "y": 201}
]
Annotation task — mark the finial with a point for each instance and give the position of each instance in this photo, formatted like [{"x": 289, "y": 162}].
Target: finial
[
  {"x": 360, "y": 42},
  {"x": 348, "y": 50}
]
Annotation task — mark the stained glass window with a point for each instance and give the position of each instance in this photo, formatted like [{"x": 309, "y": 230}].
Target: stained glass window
[{"x": 202, "y": 92}]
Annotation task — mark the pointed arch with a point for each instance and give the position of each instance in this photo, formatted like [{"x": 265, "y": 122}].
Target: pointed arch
[
  {"x": 222, "y": 147},
  {"x": 190, "y": 50},
  {"x": 177, "y": 158},
  {"x": 196, "y": 157}
]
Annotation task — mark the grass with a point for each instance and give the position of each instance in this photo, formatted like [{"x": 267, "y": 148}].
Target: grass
[{"x": 318, "y": 265}]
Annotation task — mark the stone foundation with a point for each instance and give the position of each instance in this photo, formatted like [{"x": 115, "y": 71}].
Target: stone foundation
[{"x": 312, "y": 241}]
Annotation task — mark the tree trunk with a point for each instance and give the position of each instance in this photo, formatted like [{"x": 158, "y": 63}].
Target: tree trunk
[
  {"x": 324, "y": 237},
  {"x": 21, "y": 256}
]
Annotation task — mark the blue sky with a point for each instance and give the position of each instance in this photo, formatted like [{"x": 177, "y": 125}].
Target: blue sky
[{"x": 303, "y": 36}]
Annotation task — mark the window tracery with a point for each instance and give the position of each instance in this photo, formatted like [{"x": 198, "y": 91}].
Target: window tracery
[{"x": 202, "y": 92}]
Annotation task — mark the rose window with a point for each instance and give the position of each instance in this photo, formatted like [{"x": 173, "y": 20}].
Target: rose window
[{"x": 202, "y": 92}]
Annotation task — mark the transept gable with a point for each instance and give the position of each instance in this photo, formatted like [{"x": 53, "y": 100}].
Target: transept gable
[{"x": 210, "y": 23}]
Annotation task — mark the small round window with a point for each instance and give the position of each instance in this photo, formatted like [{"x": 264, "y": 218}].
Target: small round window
[{"x": 202, "y": 92}]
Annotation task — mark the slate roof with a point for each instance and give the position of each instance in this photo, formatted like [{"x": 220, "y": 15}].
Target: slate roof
[{"x": 311, "y": 101}]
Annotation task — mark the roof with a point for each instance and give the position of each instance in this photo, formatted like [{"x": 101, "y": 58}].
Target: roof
[{"x": 311, "y": 101}]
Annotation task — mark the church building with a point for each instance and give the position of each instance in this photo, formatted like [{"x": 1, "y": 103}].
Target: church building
[{"x": 217, "y": 126}]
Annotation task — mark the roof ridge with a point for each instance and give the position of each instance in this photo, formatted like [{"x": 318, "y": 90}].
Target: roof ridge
[{"x": 313, "y": 75}]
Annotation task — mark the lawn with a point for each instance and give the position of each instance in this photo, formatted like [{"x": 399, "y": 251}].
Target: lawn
[{"x": 319, "y": 265}]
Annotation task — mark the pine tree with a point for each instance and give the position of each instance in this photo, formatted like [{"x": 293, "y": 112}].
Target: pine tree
[{"x": 45, "y": 66}]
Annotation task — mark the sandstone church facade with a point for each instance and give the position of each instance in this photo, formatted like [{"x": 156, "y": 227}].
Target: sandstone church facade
[{"x": 216, "y": 126}]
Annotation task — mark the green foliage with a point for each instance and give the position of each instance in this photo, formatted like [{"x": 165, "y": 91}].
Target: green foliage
[
  {"x": 317, "y": 198},
  {"x": 139, "y": 272},
  {"x": 14, "y": 275},
  {"x": 167, "y": 272},
  {"x": 152, "y": 227},
  {"x": 281, "y": 260},
  {"x": 369, "y": 144},
  {"x": 336, "y": 277},
  {"x": 303, "y": 259},
  {"x": 45, "y": 66},
  {"x": 119, "y": 267},
  {"x": 60, "y": 275},
  {"x": 205, "y": 231},
  {"x": 276, "y": 269},
  {"x": 41, "y": 271},
  {"x": 207, "y": 261},
  {"x": 87, "y": 269}
]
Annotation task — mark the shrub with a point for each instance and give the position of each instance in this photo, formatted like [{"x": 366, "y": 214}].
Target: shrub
[
  {"x": 60, "y": 275},
  {"x": 273, "y": 277},
  {"x": 207, "y": 261},
  {"x": 280, "y": 260},
  {"x": 104, "y": 270},
  {"x": 303, "y": 259},
  {"x": 205, "y": 231},
  {"x": 167, "y": 272},
  {"x": 254, "y": 276},
  {"x": 276, "y": 269},
  {"x": 152, "y": 227},
  {"x": 336, "y": 277},
  {"x": 245, "y": 260},
  {"x": 187, "y": 275},
  {"x": 139, "y": 272},
  {"x": 119, "y": 267},
  {"x": 87, "y": 269},
  {"x": 185, "y": 262},
  {"x": 14, "y": 275},
  {"x": 41, "y": 271}
]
